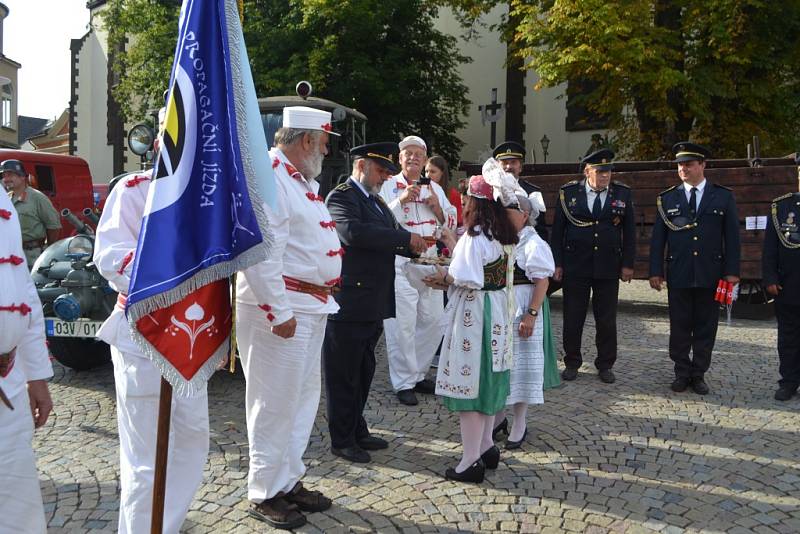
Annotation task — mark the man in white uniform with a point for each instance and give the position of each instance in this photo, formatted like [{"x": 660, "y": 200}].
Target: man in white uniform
[
  {"x": 282, "y": 308},
  {"x": 421, "y": 207},
  {"x": 23, "y": 359},
  {"x": 138, "y": 382}
]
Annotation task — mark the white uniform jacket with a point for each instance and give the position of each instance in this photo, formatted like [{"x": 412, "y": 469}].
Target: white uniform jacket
[
  {"x": 417, "y": 217},
  {"x": 114, "y": 250},
  {"x": 21, "y": 319},
  {"x": 306, "y": 247}
]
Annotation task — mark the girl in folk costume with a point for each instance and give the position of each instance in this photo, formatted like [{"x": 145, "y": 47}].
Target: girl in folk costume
[
  {"x": 533, "y": 266},
  {"x": 473, "y": 374}
]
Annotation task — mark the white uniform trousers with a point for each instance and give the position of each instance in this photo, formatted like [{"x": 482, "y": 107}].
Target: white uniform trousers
[
  {"x": 282, "y": 398},
  {"x": 138, "y": 385},
  {"x": 414, "y": 335},
  {"x": 21, "y": 507}
]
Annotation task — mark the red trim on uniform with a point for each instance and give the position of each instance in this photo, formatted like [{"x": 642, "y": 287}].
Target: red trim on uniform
[
  {"x": 327, "y": 127},
  {"x": 401, "y": 185},
  {"x": 125, "y": 262},
  {"x": 412, "y": 223},
  {"x": 293, "y": 172},
  {"x": 5, "y": 214},
  {"x": 136, "y": 180},
  {"x": 333, "y": 253},
  {"x": 13, "y": 260},
  {"x": 122, "y": 300},
  {"x": 23, "y": 309},
  {"x": 275, "y": 163},
  {"x": 293, "y": 284},
  {"x": 334, "y": 282},
  {"x": 329, "y": 224},
  {"x": 314, "y": 198},
  {"x": 265, "y": 307}
]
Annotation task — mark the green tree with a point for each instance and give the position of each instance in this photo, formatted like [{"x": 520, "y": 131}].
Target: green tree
[
  {"x": 717, "y": 71},
  {"x": 385, "y": 59}
]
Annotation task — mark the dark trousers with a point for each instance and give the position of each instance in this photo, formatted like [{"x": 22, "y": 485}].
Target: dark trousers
[
  {"x": 604, "y": 294},
  {"x": 788, "y": 316},
  {"x": 693, "y": 320},
  {"x": 348, "y": 357}
]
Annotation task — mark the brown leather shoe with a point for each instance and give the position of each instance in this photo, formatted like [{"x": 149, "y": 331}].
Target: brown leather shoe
[
  {"x": 307, "y": 500},
  {"x": 277, "y": 512}
]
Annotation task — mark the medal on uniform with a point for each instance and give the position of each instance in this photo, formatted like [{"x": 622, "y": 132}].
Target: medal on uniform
[{"x": 572, "y": 202}]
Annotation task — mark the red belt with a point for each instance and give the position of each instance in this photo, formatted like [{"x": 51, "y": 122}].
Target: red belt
[{"x": 321, "y": 293}]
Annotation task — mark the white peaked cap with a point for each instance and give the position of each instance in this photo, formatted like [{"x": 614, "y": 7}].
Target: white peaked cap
[
  {"x": 305, "y": 118},
  {"x": 413, "y": 140}
]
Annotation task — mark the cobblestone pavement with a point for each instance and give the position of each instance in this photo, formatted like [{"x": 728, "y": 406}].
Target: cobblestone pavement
[{"x": 629, "y": 457}]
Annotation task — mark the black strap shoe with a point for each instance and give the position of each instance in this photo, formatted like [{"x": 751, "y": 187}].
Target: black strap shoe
[
  {"x": 353, "y": 454},
  {"x": 407, "y": 397},
  {"x": 699, "y": 386},
  {"x": 491, "y": 458},
  {"x": 473, "y": 473},
  {"x": 502, "y": 428},
  {"x": 784, "y": 393},
  {"x": 511, "y": 445},
  {"x": 569, "y": 374},
  {"x": 680, "y": 384}
]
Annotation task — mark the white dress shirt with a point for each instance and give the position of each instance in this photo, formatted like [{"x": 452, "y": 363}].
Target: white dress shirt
[
  {"x": 699, "y": 195},
  {"x": 591, "y": 194}
]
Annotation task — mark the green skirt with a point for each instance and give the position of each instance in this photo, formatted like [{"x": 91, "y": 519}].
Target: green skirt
[
  {"x": 552, "y": 378},
  {"x": 493, "y": 388}
]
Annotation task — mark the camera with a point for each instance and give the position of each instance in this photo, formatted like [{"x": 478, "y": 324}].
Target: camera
[{"x": 424, "y": 180}]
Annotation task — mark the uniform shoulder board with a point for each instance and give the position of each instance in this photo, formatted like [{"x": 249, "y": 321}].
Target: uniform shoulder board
[
  {"x": 344, "y": 186},
  {"x": 667, "y": 190},
  {"x": 620, "y": 184},
  {"x": 782, "y": 197},
  {"x": 570, "y": 184}
]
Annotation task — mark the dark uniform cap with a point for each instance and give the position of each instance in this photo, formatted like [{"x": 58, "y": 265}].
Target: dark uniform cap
[
  {"x": 13, "y": 165},
  {"x": 600, "y": 160},
  {"x": 383, "y": 153},
  {"x": 686, "y": 151},
  {"x": 509, "y": 150}
]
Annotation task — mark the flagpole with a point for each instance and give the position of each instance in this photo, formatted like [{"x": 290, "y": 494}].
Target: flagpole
[{"x": 162, "y": 446}]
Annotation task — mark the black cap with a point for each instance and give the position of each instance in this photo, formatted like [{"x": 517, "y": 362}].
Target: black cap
[
  {"x": 383, "y": 153},
  {"x": 13, "y": 165},
  {"x": 602, "y": 160},
  {"x": 509, "y": 150},
  {"x": 686, "y": 151}
]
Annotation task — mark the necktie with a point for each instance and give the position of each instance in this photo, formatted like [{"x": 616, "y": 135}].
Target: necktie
[
  {"x": 375, "y": 203},
  {"x": 597, "y": 206},
  {"x": 693, "y": 202}
]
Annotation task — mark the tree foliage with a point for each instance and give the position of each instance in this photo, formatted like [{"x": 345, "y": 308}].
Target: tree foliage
[
  {"x": 385, "y": 59},
  {"x": 716, "y": 71}
]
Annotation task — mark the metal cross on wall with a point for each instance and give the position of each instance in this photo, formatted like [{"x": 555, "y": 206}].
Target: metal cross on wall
[{"x": 491, "y": 113}]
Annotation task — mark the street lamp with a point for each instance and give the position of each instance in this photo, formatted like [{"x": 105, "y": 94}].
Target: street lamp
[{"x": 545, "y": 144}]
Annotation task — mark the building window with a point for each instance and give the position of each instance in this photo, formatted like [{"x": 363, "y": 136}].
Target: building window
[
  {"x": 579, "y": 118},
  {"x": 6, "y": 94}
]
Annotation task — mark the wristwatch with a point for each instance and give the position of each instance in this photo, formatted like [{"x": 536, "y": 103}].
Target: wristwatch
[{"x": 532, "y": 312}]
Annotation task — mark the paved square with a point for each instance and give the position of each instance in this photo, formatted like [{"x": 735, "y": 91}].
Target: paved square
[{"x": 628, "y": 457}]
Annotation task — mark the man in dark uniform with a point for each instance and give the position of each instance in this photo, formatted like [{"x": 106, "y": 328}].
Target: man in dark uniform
[
  {"x": 780, "y": 268},
  {"x": 594, "y": 245},
  {"x": 371, "y": 237},
  {"x": 698, "y": 225},
  {"x": 511, "y": 156}
]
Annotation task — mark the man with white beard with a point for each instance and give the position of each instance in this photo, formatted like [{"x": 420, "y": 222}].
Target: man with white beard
[
  {"x": 420, "y": 206},
  {"x": 282, "y": 308}
]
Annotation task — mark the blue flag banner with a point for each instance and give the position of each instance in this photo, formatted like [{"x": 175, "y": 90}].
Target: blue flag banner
[{"x": 204, "y": 218}]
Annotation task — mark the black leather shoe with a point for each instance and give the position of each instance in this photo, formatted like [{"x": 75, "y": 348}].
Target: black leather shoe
[
  {"x": 353, "y": 454},
  {"x": 511, "y": 445},
  {"x": 569, "y": 374},
  {"x": 473, "y": 473},
  {"x": 784, "y": 393},
  {"x": 491, "y": 458},
  {"x": 680, "y": 384},
  {"x": 699, "y": 386},
  {"x": 372, "y": 443},
  {"x": 407, "y": 397},
  {"x": 607, "y": 376},
  {"x": 425, "y": 386},
  {"x": 501, "y": 428}
]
